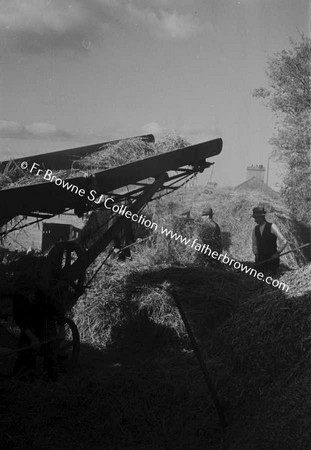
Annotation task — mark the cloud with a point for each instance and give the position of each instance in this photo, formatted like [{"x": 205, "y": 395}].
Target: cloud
[
  {"x": 38, "y": 25},
  {"x": 35, "y": 26},
  {"x": 38, "y": 130},
  {"x": 164, "y": 23}
]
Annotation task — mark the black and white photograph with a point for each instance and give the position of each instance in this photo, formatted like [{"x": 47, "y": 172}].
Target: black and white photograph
[{"x": 155, "y": 225}]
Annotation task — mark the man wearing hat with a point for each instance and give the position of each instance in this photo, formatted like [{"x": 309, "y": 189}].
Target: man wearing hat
[
  {"x": 268, "y": 242},
  {"x": 210, "y": 233}
]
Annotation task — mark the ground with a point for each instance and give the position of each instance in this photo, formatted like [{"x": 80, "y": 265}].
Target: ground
[{"x": 144, "y": 388}]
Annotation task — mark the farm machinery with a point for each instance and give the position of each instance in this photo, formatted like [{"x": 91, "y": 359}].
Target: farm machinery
[
  {"x": 120, "y": 193},
  {"x": 130, "y": 186}
]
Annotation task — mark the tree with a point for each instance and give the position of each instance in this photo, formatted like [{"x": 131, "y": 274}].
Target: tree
[{"x": 288, "y": 96}]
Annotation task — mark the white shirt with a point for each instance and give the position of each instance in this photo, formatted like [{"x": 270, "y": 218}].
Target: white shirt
[{"x": 281, "y": 241}]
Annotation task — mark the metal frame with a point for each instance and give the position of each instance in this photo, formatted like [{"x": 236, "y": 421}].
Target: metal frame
[{"x": 48, "y": 198}]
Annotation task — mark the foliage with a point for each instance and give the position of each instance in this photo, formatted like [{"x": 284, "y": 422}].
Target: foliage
[{"x": 289, "y": 99}]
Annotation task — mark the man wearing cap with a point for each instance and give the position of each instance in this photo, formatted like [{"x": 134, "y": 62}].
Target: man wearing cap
[
  {"x": 267, "y": 240},
  {"x": 210, "y": 233}
]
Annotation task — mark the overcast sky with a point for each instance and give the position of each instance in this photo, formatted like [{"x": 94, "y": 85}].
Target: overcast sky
[{"x": 84, "y": 71}]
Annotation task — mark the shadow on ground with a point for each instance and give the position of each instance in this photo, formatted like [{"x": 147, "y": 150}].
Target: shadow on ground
[
  {"x": 114, "y": 400},
  {"x": 145, "y": 389}
]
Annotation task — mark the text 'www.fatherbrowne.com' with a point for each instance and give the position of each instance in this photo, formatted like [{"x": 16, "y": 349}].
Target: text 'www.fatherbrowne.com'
[
  {"x": 110, "y": 204},
  {"x": 224, "y": 258}
]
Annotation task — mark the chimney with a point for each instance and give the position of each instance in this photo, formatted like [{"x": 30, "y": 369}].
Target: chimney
[{"x": 256, "y": 171}]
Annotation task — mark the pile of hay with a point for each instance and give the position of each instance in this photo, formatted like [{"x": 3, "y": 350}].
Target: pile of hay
[
  {"x": 14, "y": 176},
  {"x": 145, "y": 389},
  {"x": 260, "y": 357},
  {"x": 255, "y": 339},
  {"x": 112, "y": 155},
  {"x": 126, "y": 294},
  {"x": 233, "y": 212},
  {"x": 124, "y": 152}
]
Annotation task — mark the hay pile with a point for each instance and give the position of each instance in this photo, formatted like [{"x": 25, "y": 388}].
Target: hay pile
[
  {"x": 233, "y": 211},
  {"x": 260, "y": 357},
  {"x": 255, "y": 338},
  {"x": 233, "y": 214},
  {"x": 14, "y": 176},
  {"x": 126, "y": 294},
  {"x": 144, "y": 389},
  {"x": 125, "y": 152},
  {"x": 112, "y": 155}
]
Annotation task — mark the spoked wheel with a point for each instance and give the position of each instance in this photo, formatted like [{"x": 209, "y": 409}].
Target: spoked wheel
[
  {"x": 61, "y": 258},
  {"x": 68, "y": 347}
]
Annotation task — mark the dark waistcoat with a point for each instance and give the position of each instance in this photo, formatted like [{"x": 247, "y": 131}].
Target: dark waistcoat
[{"x": 266, "y": 243}]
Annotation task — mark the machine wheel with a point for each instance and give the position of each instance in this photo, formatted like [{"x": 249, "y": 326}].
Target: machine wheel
[{"x": 65, "y": 347}]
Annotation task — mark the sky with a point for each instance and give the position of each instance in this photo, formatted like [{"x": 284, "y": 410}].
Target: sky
[{"x": 77, "y": 72}]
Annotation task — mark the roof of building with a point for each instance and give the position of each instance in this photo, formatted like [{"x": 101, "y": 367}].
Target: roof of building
[{"x": 256, "y": 184}]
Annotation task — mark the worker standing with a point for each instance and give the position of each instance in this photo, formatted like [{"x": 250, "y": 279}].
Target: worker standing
[
  {"x": 186, "y": 222},
  {"x": 210, "y": 234},
  {"x": 267, "y": 242}
]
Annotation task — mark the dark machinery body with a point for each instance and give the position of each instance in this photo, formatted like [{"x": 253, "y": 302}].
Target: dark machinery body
[{"x": 134, "y": 184}]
